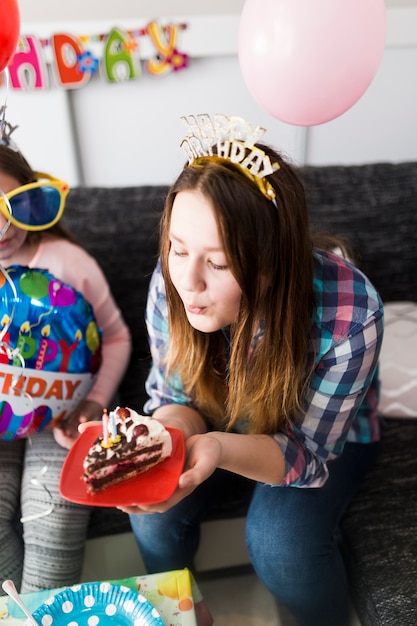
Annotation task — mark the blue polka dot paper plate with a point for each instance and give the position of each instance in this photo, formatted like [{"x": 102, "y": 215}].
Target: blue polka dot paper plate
[{"x": 96, "y": 604}]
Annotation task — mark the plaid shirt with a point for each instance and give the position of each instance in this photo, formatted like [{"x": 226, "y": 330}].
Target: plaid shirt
[{"x": 341, "y": 402}]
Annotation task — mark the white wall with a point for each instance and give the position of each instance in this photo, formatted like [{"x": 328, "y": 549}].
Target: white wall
[
  {"x": 129, "y": 133},
  {"x": 52, "y": 10},
  {"x": 382, "y": 125}
]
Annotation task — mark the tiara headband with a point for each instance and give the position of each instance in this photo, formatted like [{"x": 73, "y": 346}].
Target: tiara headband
[
  {"x": 6, "y": 130},
  {"x": 235, "y": 141}
]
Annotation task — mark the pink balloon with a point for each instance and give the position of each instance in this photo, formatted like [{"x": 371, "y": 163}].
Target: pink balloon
[{"x": 308, "y": 61}]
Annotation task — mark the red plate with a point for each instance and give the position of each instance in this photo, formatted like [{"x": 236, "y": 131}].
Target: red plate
[{"x": 155, "y": 485}]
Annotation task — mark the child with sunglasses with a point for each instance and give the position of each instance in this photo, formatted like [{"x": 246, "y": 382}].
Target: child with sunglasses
[
  {"x": 265, "y": 346},
  {"x": 47, "y": 550}
]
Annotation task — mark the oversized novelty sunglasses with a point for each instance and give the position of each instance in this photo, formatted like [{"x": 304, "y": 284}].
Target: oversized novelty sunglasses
[{"x": 35, "y": 206}]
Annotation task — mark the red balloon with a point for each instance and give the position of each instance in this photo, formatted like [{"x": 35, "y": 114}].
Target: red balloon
[{"x": 9, "y": 31}]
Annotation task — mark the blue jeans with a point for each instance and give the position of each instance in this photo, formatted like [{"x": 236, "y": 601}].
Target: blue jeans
[{"x": 291, "y": 533}]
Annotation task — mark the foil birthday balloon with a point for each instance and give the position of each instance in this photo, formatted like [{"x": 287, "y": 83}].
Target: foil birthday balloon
[{"x": 50, "y": 351}]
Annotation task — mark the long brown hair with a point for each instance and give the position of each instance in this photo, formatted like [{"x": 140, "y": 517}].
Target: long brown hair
[
  {"x": 14, "y": 164},
  {"x": 269, "y": 250}
]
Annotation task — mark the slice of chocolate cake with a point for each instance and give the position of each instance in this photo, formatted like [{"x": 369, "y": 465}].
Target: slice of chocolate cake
[{"x": 130, "y": 444}]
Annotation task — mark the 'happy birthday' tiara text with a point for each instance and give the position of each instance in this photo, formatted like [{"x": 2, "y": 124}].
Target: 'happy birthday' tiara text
[{"x": 235, "y": 140}]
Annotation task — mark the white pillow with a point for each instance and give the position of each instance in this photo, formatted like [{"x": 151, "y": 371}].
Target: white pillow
[{"x": 398, "y": 361}]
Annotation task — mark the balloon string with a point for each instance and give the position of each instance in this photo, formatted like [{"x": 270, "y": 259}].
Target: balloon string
[
  {"x": 7, "y": 142},
  {"x": 14, "y": 354},
  {"x": 7, "y": 225},
  {"x": 4, "y": 107},
  {"x": 7, "y": 277}
]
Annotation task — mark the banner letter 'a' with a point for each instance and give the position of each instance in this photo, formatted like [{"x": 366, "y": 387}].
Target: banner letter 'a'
[{"x": 118, "y": 64}]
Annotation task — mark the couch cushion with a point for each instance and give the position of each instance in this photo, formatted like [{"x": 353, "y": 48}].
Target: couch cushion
[
  {"x": 119, "y": 227},
  {"x": 380, "y": 532},
  {"x": 373, "y": 208},
  {"x": 398, "y": 361}
]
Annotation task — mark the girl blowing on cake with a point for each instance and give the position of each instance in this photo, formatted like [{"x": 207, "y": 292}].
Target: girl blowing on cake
[
  {"x": 49, "y": 551},
  {"x": 265, "y": 348}
]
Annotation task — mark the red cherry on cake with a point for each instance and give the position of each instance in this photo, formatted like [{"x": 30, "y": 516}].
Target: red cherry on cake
[
  {"x": 140, "y": 430},
  {"x": 123, "y": 413}
]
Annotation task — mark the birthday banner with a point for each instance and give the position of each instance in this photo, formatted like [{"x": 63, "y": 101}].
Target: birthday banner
[{"x": 75, "y": 59}]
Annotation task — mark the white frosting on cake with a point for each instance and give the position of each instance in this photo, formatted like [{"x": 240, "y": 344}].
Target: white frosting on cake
[{"x": 141, "y": 442}]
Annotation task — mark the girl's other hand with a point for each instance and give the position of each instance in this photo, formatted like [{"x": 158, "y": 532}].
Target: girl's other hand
[{"x": 86, "y": 412}]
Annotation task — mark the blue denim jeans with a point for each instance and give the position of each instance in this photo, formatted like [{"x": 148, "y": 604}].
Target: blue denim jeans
[{"x": 291, "y": 533}]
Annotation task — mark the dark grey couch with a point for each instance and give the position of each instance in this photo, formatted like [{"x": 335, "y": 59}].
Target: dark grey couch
[{"x": 375, "y": 208}]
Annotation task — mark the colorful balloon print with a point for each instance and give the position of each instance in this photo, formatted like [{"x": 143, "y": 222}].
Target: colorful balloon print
[{"x": 50, "y": 351}]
